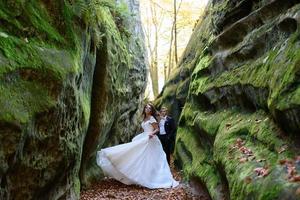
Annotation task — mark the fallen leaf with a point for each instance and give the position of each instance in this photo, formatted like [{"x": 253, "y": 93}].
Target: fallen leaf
[
  {"x": 291, "y": 171},
  {"x": 260, "y": 160},
  {"x": 261, "y": 172},
  {"x": 242, "y": 160},
  {"x": 295, "y": 178},
  {"x": 258, "y": 120},
  {"x": 240, "y": 119},
  {"x": 248, "y": 179},
  {"x": 282, "y": 149},
  {"x": 228, "y": 125},
  {"x": 111, "y": 189},
  {"x": 258, "y": 169},
  {"x": 252, "y": 157},
  {"x": 283, "y": 161},
  {"x": 240, "y": 140},
  {"x": 266, "y": 172}
]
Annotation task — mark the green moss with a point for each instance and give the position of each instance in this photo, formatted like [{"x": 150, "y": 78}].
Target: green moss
[
  {"x": 76, "y": 185},
  {"x": 188, "y": 114},
  {"x": 119, "y": 56},
  {"x": 40, "y": 20},
  {"x": 275, "y": 71},
  {"x": 270, "y": 192},
  {"x": 51, "y": 24},
  {"x": 86, "y": 107},
  {"x": 209, "y": 123},
  {"x": 170, "y": 91},
  {"x": 21, "y": 100},
  {"x": 289, "y": 100},
  {"x": 30, "y": 46},
  {"x": 260, "y": 134},
  {"x": 203, "y": 63},
  {"x": 24, "y": 55},
  {"x": 196, "y": 161}
]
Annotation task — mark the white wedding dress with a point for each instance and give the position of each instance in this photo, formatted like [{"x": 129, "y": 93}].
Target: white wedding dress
[{"x": 141, "y": 161}]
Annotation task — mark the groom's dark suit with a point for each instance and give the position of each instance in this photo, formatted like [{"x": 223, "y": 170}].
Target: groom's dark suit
[{"x": 168, "y": 139}]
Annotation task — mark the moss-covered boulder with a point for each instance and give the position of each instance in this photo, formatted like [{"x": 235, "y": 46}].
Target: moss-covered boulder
[
  {"x": 67, "y": 72},
  {"x": 239, "y": 110}
]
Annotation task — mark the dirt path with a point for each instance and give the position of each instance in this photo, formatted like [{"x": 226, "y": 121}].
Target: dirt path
[{"x": 110, "y": 189}]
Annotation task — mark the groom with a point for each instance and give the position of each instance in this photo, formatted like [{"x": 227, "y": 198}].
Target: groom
[{"x": 167, "y": 131}]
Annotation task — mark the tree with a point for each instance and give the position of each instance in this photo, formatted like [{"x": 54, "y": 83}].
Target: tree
[
  {"x": 155, "y": 23},
  {"x": 173, "y": 33},
  {"x": 160, "y": 18}
]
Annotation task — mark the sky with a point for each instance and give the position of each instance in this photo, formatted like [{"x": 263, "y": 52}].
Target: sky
[{"x": 189, "y": 12}]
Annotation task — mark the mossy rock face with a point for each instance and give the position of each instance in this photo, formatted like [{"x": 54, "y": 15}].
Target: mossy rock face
[
  {"x": 118, "y": 84},
  {"x": 67, "y": 73},
  {"x": 240, "y": 113}
]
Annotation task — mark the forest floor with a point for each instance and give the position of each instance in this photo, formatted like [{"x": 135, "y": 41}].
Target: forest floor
[{"x": 111, "y": 189}]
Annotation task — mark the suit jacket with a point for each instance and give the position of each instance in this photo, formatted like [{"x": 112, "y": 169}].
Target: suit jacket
[{"x": 170, "y": 127}]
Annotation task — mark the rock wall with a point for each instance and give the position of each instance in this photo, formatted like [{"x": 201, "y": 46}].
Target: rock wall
[
  {"x": 116, "y": 103},
  {"x": 236, "y": 96},
  {"x": 72, "y": 75}
]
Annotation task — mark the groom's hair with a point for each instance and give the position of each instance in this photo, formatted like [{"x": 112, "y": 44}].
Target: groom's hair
[{"x": 164, "y": 108}]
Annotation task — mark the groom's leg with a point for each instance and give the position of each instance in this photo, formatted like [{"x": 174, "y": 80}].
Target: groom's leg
[
  {"x": 165, "y": 144},
  {"x": 168, "y": 150}
]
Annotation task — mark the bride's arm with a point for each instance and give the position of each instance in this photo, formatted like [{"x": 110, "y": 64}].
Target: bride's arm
[{"x": 155, "y": 131}]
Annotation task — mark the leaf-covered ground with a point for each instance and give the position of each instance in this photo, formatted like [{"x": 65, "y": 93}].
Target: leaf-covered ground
[{"x": 111, "y": 189}]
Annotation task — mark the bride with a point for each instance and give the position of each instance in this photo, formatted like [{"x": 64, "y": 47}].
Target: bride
[{"x": 141, "y": 161}]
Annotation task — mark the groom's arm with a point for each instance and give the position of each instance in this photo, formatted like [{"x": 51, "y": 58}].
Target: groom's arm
[{"x": 172, "y": 127}]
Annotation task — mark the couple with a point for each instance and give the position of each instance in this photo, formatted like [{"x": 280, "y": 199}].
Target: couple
[{"x": 141, "y": 161}]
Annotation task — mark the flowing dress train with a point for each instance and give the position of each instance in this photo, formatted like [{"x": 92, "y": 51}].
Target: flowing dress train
[{"x": 141, "y": 161}]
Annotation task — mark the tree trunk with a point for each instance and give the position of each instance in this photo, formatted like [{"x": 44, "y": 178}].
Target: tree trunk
[
  {"x": 173, "y": 35},
  {"x": 170, "y": 53},
  {"x": 154, "y": 78},
  {"x": 175, "y": 32},
  {"x": 154, "y": 59}
]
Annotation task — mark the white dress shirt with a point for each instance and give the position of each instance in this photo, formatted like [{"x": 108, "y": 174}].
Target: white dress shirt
[{"x": 162, "y": 122}]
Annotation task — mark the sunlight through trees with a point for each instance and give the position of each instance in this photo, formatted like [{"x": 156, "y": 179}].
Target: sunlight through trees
[{"x": 167, "y": 26}]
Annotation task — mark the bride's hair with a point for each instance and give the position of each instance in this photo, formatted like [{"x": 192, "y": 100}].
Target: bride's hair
[{"x": 153, "y": 110}]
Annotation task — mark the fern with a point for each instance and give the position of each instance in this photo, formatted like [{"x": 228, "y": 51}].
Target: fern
[
  {"x": 89, "y": 11},
  {"x": 79, "y": 7}
]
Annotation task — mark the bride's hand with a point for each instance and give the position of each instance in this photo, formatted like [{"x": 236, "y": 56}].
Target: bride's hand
[{"x": 151, "y": 136}]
